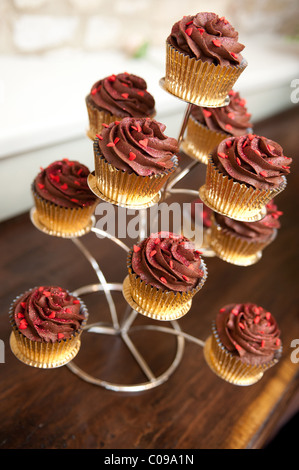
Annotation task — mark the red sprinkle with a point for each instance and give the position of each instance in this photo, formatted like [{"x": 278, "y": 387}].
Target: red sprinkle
[
  {"x": 241, "y": 326},
  {"x": 117, "y": 139},
  {"x": 206, "y": 113},
  {"x": 162, "y": 279},
  {"x": 140, "y": 93},
  {"x": 132, "y": 156},
  {"x": 231, "y": 115},
  {"x": 157, "y": 240},
  {"x": 216, "y": 42},
  {"x": 52, "y": 315},
  {"x": 277, "y": 342},
  {"x": 46, "y": 293},
  {"x": 125, "y": 95},
  {"x": 74, "y": 200},
  {"x": 77, "y": 183},
  {"x": 64, "y": 186},
  {"x": 112, "y": 78},
  {"x": 23, "y": 324},
  {"x": 228, "y": 127},
  {"x": 234, "y": 55},
  {"x": 21, "y": 315},
  {"x": 262, "y": 343},
  {"x": 242, "y": 102},
  {"x": 222, "y": 155},
  {"x": 229, "y": 143},
  {"x": 105, "y": 125},
  {"x": 238, "y": 161},
  {"x": 60, "y": 335},
  {"x": 110, "y": 144},
  {"x": 136, "y": 248},
  {"x": 79, "y": 171},
  {"x": 250, "y": 136},
  {"x": 93, "y": 92},
  {"x": 76, "y": 301},
  {"x": 100, "y": 137},
  {"x": 263, "y": 173},
  {"x": 189, "y": 31},
  {"x": 268, "y": 315},
  {"x": 23, "y": 304},
  {"x": 222, "y": 310},
  {"x": 143, "y": 142},
  {"x": 256, "y": 320},
  {"x": 201, "y": 30},
  {"x": 171, "y": 264},
  {"x": 270, "y": 147},
  {"x": 185, "y": 277},
  {"x": 152, "y": 253},
  {"x": 41, "y": 186}
]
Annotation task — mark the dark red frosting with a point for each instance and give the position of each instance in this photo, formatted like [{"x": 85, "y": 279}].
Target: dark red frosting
[
  {"x": 123, "y": 95},
  {"x": 253, "y": 160},
  {"x": 259, "y": 231},
  {"x": 137, "y": 145},
  {"x": 47, "y": 314},
  {"x": 168, "y": 261},
  {"x": 232, "y": 119},
  {"x": 248, "y": 331},
  {"x": 64, "y": 183},
  {"x": 207, "y": 37}
]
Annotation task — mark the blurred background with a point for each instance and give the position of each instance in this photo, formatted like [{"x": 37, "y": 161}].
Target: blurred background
[{"x": 52, "y": 51}]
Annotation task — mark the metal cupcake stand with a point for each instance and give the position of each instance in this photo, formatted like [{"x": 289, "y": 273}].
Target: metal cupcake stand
[{"x": 126, "y": 327}]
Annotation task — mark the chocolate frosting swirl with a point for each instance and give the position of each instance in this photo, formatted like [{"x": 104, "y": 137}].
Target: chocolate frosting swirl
[
  {"x": 123, "y": 95},
  {"x": 137, "y": 146},
  {"x": 248, "y": 331},
  {"x": 261, "y": 230},
  {"x": 207, "y": 37},
  {"x": 47, "y": 314},
  {"x": 64, "y": 183},
  {"x": 168, "y": 261},
  {"x": 232, "y": 119},
  {"x": 253, "y": 160}
]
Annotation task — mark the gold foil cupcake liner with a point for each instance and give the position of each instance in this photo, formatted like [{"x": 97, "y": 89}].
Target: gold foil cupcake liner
[
  {"x": 65, "y": 222},
  {"x": 41, "y": 354},
  {"x": 157, "y": 303},
  {"x": 199, "y": 82},
  {"x": 97, "y": 118},
  {"x": 229, "y": 367},
  {"x": 128, "y": 189},
  {"x": 200, "y": 141},
  {"x": 234, "y": 249},
  {"x": 235, "y": 200}
]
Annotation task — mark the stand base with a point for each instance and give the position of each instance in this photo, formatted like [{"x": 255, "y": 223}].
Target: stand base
[{"x": 123, "y": 333}]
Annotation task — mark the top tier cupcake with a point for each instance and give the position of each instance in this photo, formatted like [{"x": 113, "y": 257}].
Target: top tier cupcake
[
  {"x": 203, "y": 59},
  {"x": 115, "y": 97}
]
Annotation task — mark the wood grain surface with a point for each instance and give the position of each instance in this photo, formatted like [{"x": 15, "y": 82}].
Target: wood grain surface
[{"x": 193, "y": 409}]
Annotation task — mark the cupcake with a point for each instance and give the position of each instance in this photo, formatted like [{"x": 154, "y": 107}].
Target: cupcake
[
  {"x": 207, "y": 127},
  {"x": 241, "y": 243},
  {"x": 245, "y": 342},
  {"x": 64, "y": 204},
  {"x": 243, "y": 174},
  {"x": 116, "y": 97},
  {"x": 47, "y": 323},
  {"x": 197, "y": 225},
  {"x": 203, "y": 59},
  {"x": 165, "y": 272},
  {"x": 133, "y": 160}
]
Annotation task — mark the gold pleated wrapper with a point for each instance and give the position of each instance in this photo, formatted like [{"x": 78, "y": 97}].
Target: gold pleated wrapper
[
  {"x": 235, "y": 200},
  {"x": 62, "y": 221},
  {"x": 97, "y": 118},
  {"x": 230, "y": 367},
  {"x": 127, "y": 188},
  {"x": 157, "y": 303},
  {"x": 234, "y": 249},
  {"x": 45, "y": 355},
  {"x": 200, "y": 140},
  {"x": 199, "y": 82}
]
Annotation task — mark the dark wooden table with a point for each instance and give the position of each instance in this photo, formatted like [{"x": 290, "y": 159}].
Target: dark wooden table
[{"x": 193, "y": 409}]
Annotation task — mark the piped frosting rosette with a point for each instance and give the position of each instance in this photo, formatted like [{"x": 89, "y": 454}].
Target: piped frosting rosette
[
  {"x": 115, "y": 97},
  {"x": 207, "y": 127},
  {"x": 245, "y": 342},
  {"x": 133, "y": 160},
  {"x": 165, "y": 272},
  {"x": 63, "y": 200},
  {"x": 243, "y": 174},
  {"x": 47, "y": 323},
  {"x": 203, "y": 59}
]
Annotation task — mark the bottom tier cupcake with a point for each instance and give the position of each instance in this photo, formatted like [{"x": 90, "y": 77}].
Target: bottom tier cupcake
[
  {"x": 47, "y": 323},
  {"x": 245, "y": 342},
  {"x": 165, "y": 272}
]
